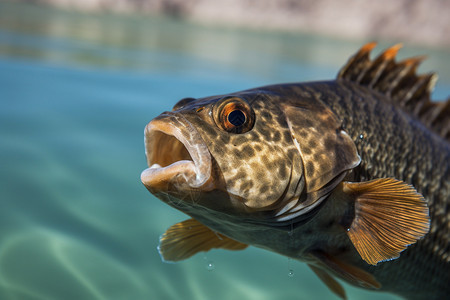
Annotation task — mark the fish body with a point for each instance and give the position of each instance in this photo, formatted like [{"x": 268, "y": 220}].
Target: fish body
[{"x": 350, "y": 176}]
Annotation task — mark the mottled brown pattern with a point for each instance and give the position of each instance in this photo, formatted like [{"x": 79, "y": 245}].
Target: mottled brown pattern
[{"x": 238, "y": 157}]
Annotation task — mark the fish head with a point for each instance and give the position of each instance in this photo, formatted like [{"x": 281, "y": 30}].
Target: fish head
[{"x": 246, "y": 153}]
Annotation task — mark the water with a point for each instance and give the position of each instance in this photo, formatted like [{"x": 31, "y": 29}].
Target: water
[{"x": 75, "y": 94}]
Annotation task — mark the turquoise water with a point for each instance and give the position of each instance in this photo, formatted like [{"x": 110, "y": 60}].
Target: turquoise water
[{"x": 75, "y": 94}]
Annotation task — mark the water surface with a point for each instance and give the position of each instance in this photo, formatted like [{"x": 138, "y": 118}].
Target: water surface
[{"x": 76, "y": 91}]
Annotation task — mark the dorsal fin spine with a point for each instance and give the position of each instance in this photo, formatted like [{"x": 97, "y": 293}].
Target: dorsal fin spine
[{"x": 399, "y": 82}]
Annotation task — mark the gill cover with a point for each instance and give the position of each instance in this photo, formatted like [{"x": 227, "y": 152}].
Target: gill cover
[{"x": 326, "y": 150}]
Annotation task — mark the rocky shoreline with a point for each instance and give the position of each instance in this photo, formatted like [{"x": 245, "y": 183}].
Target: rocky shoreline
[{"x": 422, "y": 22}]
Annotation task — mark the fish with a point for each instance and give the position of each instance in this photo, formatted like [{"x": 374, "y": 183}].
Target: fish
[{"x": 350, "y": 176}]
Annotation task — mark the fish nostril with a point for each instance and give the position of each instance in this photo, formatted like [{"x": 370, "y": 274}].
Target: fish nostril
[{"x": 182, "y": 103}]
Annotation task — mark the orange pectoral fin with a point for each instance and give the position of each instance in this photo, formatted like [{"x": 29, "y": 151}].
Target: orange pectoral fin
[
  {"x": 189, "y": 237},
  {"x": 352, "y": 274},
  {"x": 329, "y": 281},
  {"x": 389, "y": 216}
]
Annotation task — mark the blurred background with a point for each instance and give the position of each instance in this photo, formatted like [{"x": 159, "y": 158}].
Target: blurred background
[{"x": 79, "y": 80}]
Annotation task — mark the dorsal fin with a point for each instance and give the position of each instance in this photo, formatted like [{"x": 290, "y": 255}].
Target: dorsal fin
[{"x": 399, "y": 82}]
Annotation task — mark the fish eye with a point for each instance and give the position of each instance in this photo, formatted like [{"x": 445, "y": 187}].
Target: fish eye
[{"x": 234, "y": 115}]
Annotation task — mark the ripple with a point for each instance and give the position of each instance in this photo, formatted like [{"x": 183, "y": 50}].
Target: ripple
[{"x": 47, "y": 265}]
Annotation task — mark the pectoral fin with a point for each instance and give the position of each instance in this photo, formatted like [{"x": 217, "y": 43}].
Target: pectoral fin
[
  {"x": 389, "y": 216},
  {"x": 330, "y": 282},
  {"x": 352, "y": 274},
  {"x": 189, "y": 237}
]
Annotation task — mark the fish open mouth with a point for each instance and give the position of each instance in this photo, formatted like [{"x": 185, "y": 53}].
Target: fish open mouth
[{"x": 176, "y": 154}]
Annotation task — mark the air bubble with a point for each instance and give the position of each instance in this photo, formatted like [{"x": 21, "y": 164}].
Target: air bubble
[
  {"x": 290, "y": 271},
  {"x": 210, "y": 266}
]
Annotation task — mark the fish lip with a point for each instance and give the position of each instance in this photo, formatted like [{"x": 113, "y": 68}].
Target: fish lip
[{"x": 168, "y": 139}]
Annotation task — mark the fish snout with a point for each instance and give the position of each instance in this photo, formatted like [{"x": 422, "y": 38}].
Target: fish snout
[{"x": 176, "y": 155}]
